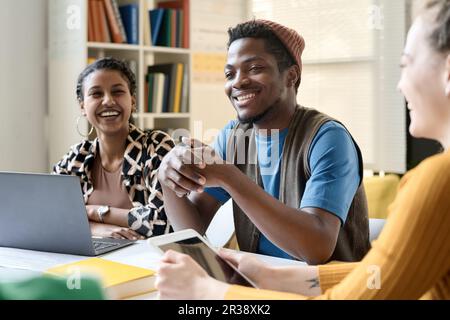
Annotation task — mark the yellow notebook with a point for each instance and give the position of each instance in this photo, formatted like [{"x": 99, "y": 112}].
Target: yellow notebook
[{"x": 119, "y": 280}]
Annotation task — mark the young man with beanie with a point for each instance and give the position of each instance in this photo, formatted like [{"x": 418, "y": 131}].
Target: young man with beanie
[{"x": 294, "y": 174}]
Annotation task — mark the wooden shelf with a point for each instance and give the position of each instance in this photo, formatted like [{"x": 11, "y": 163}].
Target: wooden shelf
[
  {"x": 134, "y": 47},
  {"x": 168, "y": 115},
  {"x": 112, "y": 46},
  {"x": 156, "y": 49}
]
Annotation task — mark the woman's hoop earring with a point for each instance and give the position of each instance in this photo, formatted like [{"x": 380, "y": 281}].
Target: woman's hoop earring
[{"x": 78, "y": 129}]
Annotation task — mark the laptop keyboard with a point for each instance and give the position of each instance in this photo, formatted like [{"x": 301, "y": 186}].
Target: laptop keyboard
[{"x": 100, "y": 245}]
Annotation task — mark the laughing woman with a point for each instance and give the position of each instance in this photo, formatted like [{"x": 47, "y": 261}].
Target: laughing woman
[{"x": 117, "y": 170}]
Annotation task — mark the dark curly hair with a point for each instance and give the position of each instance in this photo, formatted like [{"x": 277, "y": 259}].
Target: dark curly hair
[
  {"x": 108, "y": 63},
  {"x": 440, "y": 34},
  {"x": 273, "y": 45}
]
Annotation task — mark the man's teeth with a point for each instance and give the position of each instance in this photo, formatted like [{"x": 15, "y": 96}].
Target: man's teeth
[
  {"x": 109, "y": 114},
  {"x": 246, "y": 97}
]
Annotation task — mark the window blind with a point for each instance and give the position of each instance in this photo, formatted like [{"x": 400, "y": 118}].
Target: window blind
[{"x": 351, "y": 68}]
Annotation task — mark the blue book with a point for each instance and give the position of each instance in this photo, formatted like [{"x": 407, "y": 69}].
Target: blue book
[
  {"x": 130, "y": 19},
  {"x": 156, "y": 19}
]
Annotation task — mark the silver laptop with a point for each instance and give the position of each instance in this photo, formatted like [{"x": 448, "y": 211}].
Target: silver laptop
[{"x": 46, "y": 212}]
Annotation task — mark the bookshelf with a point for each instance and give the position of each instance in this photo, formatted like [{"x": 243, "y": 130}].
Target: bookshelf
[
  {"x": 69, "y": 52},
  {"x": 145, "y": 54}
]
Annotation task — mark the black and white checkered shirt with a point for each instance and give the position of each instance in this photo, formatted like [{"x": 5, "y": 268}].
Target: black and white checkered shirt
[{"x": 142, "y": 157}]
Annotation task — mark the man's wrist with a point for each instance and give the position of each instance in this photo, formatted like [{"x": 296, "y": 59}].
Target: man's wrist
[{"x": 229, "y": 177}]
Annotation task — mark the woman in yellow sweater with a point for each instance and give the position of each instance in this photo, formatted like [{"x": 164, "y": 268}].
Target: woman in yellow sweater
[{"x": 411, "y": 258}]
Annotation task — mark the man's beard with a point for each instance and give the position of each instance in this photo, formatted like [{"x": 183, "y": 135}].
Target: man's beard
[{"x": 255, "y": 119}]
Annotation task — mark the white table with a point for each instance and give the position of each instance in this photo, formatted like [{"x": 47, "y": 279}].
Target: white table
[{"x": 16, "y": 264}]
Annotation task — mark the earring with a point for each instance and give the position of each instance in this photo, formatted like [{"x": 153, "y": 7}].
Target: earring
[{"x": 79, "y": 131}]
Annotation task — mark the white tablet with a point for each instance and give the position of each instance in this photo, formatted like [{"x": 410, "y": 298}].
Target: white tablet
[{"x": 193, "y": 244}]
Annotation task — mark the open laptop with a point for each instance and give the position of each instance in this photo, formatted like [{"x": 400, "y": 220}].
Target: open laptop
[{"x": 46, "y": 212}]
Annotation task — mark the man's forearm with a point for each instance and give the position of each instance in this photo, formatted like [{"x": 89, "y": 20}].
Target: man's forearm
[
  {"x": 181, "y": 212},
  {"x": 296, "y": 231}
]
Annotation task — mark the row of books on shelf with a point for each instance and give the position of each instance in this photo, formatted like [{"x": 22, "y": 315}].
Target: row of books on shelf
[
  {"x": 167, "y": 88},
  {"x": 167, "y": 25},
  {"x": 109, "y": 22}
]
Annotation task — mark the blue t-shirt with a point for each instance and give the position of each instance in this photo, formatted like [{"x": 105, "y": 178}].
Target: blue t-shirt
[{"x": 333, "y": 160}]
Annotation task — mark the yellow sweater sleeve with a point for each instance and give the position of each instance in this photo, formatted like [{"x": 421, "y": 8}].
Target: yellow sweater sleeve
[
  {"x": 332, "y": 274},
  {"x": 412, "y": 255}
]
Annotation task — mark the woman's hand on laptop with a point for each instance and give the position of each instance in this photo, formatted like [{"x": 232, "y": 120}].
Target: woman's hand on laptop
[{"x": 111, "y": 231}]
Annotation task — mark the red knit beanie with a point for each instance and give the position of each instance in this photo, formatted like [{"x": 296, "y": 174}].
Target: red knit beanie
[{"x": 291, "y": 39}]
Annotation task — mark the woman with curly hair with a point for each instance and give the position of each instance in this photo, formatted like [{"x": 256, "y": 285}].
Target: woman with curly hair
[{"x": 117, "y": 170}]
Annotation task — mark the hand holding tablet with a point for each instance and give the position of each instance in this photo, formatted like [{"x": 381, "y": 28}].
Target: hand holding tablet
[{"x": 193, "y": 244}]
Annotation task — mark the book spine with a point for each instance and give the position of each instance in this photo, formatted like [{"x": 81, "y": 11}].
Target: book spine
[
  {"x": 115, "y": 7},
  {"x": 147, "y": 28},
  {"x": 156, "y": 18},
  {"x": 155, "y": 92},
  {"x": 166, "y": 94},
  {"x": 130, "y": 17},
  {"x": 160, "y": 79},
  {"x": 135, "y": 23},
  {"x": 151, "y": 78},
  {"x": 146, "y": 88},
  {"x": 173, "y": 28},
  {"x": 95, "y": 20},
  {"x": 166, "y": 28},
  {"x": 180, "y": 28},
  {"x": 173, "y": 82},
  {"x": 106, "y": 37},
  {"x": 91, "y": 34},
  {"x": 186, "y": 23},
  {"x": 185, "y": 92},
  {"x": 179, "y": 82},
  {"x": 113, "y": 24}
]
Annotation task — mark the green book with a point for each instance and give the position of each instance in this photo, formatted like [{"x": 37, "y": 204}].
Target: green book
[
  {"x": 164, "y": 38},
  {"x": 151, "y": 79},
  {"x": 50, "y": 288}
]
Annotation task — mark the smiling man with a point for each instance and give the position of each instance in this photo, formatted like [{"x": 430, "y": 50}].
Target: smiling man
[{"x": 294, "y": 174}]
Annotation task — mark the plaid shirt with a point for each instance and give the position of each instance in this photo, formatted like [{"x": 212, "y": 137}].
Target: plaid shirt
[{"x": 143, "y": 154}]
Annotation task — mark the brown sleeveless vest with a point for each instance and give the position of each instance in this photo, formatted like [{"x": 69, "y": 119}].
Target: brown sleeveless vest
[{"x": 353, "y": 239}]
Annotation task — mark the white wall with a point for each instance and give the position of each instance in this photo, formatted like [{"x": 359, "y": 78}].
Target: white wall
[
  {"x": 350, "y": 69},
  {"x": 210, "y": 109},
  {"x": 67, "y": 43},
  {"x": 23, "y": 85}
]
